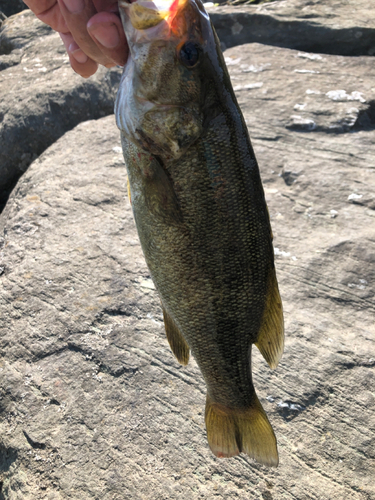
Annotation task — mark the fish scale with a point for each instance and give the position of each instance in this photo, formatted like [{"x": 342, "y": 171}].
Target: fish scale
[{"x": 201, "y": 216}]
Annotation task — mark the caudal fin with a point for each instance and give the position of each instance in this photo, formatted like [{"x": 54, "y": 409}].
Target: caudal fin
[{"x": 232, "y": 430}]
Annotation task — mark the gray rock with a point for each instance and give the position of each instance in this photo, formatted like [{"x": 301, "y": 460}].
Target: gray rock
[
  {"x": 41, "y": 97},
  {"x": 93, "y": 404},
  {"x": 304, "y": 91},
  {"x": 44, "y": 98},
  {"x": 330, "y": 26}
]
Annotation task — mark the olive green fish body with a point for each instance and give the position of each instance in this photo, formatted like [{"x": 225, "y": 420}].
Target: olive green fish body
[
  {"x": 203, "y": 224},
  {"x": 210, "y": 256}
]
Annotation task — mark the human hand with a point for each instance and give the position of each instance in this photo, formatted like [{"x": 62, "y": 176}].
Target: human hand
[{"x": 90, "y": 29}]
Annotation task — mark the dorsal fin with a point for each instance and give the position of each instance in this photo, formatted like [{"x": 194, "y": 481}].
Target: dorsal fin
[
  {"x": 176, "y": 340},
  {"x": 271, "y": 334}
]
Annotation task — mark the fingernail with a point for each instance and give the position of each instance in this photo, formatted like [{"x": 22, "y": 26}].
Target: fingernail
[
  {"x": 107, "y": 34},
  {"x": 77, "y": 53},
  {"x": 74, "y": 6}
]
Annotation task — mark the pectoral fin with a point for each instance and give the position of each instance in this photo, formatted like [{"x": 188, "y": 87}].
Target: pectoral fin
[
  {"x": 160, "y": 196},
  {"x": 176, "y": 340},
  {"x": 271, "y": 334},
  {"x": 148, "y": 177}
]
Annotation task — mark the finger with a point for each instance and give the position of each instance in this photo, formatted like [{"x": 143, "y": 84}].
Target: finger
[
  {"x": 79, "y": 61},
  {"x": 85, "y": 70},
  {"x": 107, "y": 32},
  {"x": 77, "y": 14},
  {"x": 49, "y": 12}
]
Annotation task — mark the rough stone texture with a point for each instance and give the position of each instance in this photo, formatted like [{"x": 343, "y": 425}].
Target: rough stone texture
[
  {"x": 345, "y": 27},
  {"x": 10, "y": 7},
  {"x": 304, "y": 91},
  {"x": 40, "y": 96},
  {"x": 93, "y": 404}
]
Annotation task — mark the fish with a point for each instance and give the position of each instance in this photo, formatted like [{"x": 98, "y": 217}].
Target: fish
[{"x": 201, "y": 215}]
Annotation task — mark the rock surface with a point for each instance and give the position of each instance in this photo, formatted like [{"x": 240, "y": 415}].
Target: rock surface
[
  {"x": 93, "y": 404},
  {"x": 341, "y": 27},
  {"x": 41, "y": 97},
  {"x": 40, "y": 90}
]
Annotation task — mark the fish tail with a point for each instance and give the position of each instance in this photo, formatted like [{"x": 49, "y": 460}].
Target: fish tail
[{"x": 232, "y": 430}]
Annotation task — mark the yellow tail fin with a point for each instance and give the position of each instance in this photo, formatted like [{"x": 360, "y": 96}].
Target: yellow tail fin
[{"x": 232, "y": 430}]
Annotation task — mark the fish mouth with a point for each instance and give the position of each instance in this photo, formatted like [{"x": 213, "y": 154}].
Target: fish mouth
[{"x": 145, "y": 14}]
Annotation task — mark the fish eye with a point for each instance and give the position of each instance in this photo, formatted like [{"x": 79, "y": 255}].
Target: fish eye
[{"x": 189, "y": 54}]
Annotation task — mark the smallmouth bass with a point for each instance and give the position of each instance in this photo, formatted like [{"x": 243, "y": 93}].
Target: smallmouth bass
[{"x": 201, "y": 214}]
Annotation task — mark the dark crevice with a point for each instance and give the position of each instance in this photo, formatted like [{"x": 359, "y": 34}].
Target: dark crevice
[
  {"x": 288, "y": 410},
  {"x": 7, "y": 457},
  {"x": 349, "y": 365},
  {"x": 115, "y": 371},
  {"x": 6, "y": 192},
  {"x": 5, "y": 50},
  {"x": 304, "y": 35},
  {"x": 34, "y": 444},
  {"x": 365, "y": 121},
  {"x": 118, "y": 311},
  {"x": 289, "y": 177},
  {"x": 10, "y": 7},
  {"x": 69, "y": 347},
  {"x": 54, "y": 402},
  {"x": 316, "y": 397},
  {"x": 366, "y": 118}
]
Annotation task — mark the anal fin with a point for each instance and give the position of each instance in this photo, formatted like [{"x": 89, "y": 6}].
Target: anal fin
[
  {"x": 270, "y": 340},
  {"x": 232, "y": 430},
  {"x": 176, "y": 340}
]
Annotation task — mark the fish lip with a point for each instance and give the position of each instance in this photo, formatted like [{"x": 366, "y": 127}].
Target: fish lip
[
  {"x": 145, "y": 14},
  {"x": 143, "y": 26}
]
